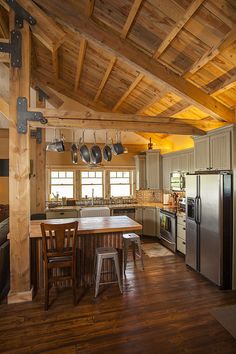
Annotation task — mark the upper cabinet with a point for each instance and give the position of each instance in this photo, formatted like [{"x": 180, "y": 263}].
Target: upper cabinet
[
  {"x": 213, "y": 152},
  {"x": 153, "y": 169},
  {"x": 140, "y": 164}
]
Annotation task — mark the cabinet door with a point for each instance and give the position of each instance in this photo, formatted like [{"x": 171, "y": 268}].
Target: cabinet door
[
  {"x": 201, "y": 154},
  {"x": 139, "y": 218},
  {"x": 183, "y": 162},
  {"x": 220, "y": 151},
  {"x": 191, "y": 161},
  {"x": 149, "y": 221},
  {"x": 153, "y": 170},
  {"x": 140, "y": 164},
  {"x": 175, "y": 163},
  {"x": 166, "y": 170}
]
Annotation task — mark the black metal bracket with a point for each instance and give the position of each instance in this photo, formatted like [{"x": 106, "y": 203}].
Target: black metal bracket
[
  {"x": 21, "y": 14},
  {"x": 23, "y": 115},
  {"x": 37, "y": 134},
  {"x": 13, "y": 48}
]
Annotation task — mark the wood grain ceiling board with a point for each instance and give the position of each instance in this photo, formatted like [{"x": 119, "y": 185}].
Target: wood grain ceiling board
[
  {"x": 168, "y": 100},
  {"x": 228, "y": 97},
  {"x": 223, "y": 9},
  {"x": 191, "y": 113}
]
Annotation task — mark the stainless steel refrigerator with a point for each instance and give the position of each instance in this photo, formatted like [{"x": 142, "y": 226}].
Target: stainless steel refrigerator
[{"x": 209, "y": 226}]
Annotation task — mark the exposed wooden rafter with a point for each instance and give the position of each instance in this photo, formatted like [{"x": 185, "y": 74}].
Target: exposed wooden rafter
[
  {"x": 212, "y": 53},
  {"x": 4, "y": 107},
  {"x": 224, "y": 86},
  {"x": 129, "y": 54},
  {"x": 178, "y": 26},
  {"x": 82, "y": 51},
  {"x": 128, "y": 92},
  {"x": 105, "y": 78},
  {"x": 130, "y": 19},
  {"x": 89, "y": 7},
  {"x": 3, "y": 26}
]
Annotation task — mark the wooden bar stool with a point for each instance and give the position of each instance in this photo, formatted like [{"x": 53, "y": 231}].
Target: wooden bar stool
[
  {"x": 134, "y": 240},
  {"x": 101, "y": 254}
]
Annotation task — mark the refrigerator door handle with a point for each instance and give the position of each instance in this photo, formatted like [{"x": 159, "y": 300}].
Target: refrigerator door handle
[
  {"x": 199, "y": 210},
  {"x": 196, "y": 209}
]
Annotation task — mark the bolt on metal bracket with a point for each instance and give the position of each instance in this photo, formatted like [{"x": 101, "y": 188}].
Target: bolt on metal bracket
[
  {"x": 21, "y": 14},
  {"x": 23, "y": 116},
  {"x": 37, "y": 134},
  {"x": 13, "y": 48}
]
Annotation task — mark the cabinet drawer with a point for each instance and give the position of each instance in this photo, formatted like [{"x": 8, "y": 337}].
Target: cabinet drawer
[
  {"x": 181, "y": 219},
  {"x": 181, "y": 246},
  {"x": 62, "y": 214},
  {"x": 181, "y": 231}
]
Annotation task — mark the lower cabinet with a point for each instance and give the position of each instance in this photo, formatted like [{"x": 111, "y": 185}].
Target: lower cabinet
[
  {"x": 56, "y": 214},
  {"x": 181, "y": 234},
  {"x": 149, "y": 217}
]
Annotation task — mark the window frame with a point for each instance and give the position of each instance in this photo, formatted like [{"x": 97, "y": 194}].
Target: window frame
[
  {"x": 80, "y": 184},
  {"x": 61, "y": 170},
  {"x": 131, "y": 182}
]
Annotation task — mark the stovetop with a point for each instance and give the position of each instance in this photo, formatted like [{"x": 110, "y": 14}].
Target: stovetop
[{"x": 172, "y": 210}]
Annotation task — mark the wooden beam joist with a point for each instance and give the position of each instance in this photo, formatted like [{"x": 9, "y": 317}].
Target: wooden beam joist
[
  {"x": 177, "y": 28},
  {"x": 140, "y": 61},
  {"x": 89, "y": 7},
  {"x": 82, "y": 51},
  {"x": 53, "y": 98},
  {"x": 212, "y": 53},
  {"x": 128, "y": 92},
  {"x": 130, "y": 19},
  {"x": 4, "y": 107},
  {"x": 46, "y": 30},
  {"x": 105, "y": 78}
]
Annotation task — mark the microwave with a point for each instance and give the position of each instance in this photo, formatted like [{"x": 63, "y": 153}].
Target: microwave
[{"x": 177, "y": 181}]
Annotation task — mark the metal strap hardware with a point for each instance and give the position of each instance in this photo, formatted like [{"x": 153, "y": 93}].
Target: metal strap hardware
[
  {"x": 37, "y": 134},
  {"x": 21, "y": 14},
  {"x": 13, "y": 48},
  {"x": 23, "y": 115}
]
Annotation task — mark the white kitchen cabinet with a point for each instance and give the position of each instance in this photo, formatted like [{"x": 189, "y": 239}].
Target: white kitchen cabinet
[
  {"x": 213, "y": 152},
  {"x": 184, "y": 162},
  {"x": 175, "y": 163},
  {"x": 181, "y": 234},
  {"x": 153, "y": 169},
  {"x": 220, "y": 152},
  {"x": 149, "y": 221},
  {"x": 202, "y": 153},
  {"x": 139, "y": 218},
  {"x": 191, "y": 162},
  {"x": 140, "y": 165},
  {"x": 166, "y": 170}
]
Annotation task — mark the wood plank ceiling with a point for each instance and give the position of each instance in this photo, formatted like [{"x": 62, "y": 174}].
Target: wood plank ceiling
[{"x": 190, "y": 47}]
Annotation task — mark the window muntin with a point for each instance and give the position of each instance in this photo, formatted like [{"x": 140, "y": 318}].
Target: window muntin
[
  {"x": 92, "y": 181},
  {"x": 62, "y": 184},
  {"x": 120, "y": 183}
]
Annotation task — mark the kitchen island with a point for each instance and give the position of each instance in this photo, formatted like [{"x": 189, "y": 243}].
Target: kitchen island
[{"x": 92, "y": 232}]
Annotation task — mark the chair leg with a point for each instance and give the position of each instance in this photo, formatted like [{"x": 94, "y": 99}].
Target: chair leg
[
  {"x": 46, "y": 289},
  {"x": 116, "y": 260},
  {"x": 74, "y": 284},
  {"x": 125, "y": 255},
  {"x": 140, "y": 252},
  {"x": 134, "y": 251},
  {"x": 98, "y": 274}
]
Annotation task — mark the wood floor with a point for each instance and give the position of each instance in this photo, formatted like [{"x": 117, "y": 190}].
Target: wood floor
[{"x": 164, "y": 309}]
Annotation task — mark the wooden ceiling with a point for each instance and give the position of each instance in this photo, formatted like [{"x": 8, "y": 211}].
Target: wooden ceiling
[{"x": 172, "y": 58}]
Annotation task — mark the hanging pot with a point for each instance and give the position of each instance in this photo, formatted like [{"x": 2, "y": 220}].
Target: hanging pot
[
  {"x": 96, "y": 153},
  {"x": 118, "y": 148},
  {"x": 74, "y": 151},
  {"x": 107, "y": 153},
  {"x": 56, "y": 145},
  {"x": 84, "y": 151}
]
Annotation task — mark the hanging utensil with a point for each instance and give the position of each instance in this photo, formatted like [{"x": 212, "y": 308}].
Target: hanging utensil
[
  {"x": 107, "y": 153},
  {"x": 118, "y": 148},
  {"x": 84, "y": 151},
  {"x": 74, "y": 151},
  {"x": 96, "y": 153}
]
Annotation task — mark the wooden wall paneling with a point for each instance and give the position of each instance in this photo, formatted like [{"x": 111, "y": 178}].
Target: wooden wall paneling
[
  {"x": 129, "y": 53},
  {"x": 19, "y": 193},
  {"x": 178, "y": 26},
  {"x": 105, "y": 78},
  {"x": 131, "y": 17},
  {"x": 82, "y": 52}
]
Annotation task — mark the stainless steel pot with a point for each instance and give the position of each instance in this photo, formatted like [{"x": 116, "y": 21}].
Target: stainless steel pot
[
  {"x": 118, "y": 148},
  {"x": 107, "y": 153},
  {"x": 84, "y": 151},
  {"x": 96, "y": 153},
  {"x": 74, "y": 153}
]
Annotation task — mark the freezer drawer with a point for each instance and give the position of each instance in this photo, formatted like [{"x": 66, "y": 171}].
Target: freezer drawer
[{"x": 191, "y": 258}]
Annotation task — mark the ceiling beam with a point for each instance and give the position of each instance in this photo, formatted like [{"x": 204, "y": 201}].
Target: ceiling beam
[
  {"x": 130, "y": 19},
  {"x": 212, "y": 53},
  {"x": 52, "y": 97},
  {"x": 177, "y": 28},
  {"x": 80, "y": 62},
  {"x": 46, "y": 30},
  {"x": 89, "y": 6},
  {"x": 129, "y": 54},
  {"x": 105, "y": 78},
  {"x": 128, "y": 92},
  {"x": 55, "y": 63},
  {"x": 224, "y": 86},
  {"x": 4, "y": 107}
]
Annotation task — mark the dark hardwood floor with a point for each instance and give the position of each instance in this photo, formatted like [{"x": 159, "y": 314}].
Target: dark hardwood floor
[{"x": 164, "y": 309}]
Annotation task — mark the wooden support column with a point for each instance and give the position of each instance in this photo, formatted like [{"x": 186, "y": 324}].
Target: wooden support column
[
  {"x": 19, "y": 188},
  {"x": 40, "y": 169}
]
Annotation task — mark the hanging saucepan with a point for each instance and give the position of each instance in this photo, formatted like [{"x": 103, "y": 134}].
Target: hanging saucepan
[
  {"x": 74, "y": 151},
  {"x": 107, "y": 153},
  {"x": 84, "y": 151},
  {"x": 118, "y": 148},
  {"x": 96, "y": 153},
  {"x": 56, "y": 145}
]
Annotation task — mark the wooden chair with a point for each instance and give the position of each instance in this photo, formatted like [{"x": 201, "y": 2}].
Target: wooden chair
[{"x": 59, "y": 251}]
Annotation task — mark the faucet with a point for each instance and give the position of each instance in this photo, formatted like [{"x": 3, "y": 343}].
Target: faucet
[{"x": 92, "y": 196}]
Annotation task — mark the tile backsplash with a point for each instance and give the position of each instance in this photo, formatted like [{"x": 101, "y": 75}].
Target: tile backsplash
[{"x": 149, "y": 195}]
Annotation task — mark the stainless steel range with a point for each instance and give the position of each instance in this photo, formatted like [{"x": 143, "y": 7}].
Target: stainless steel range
[{"x": 168, "y": 228}]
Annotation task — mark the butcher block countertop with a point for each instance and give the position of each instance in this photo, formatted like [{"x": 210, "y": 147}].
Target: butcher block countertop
[{"x": 91, "y": 225}]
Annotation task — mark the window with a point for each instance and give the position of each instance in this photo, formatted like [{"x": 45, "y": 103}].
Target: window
[
  {"x": 62, "y": 184},
  {"x": 92, "y": 181},
  {"x": 121, "y": 184}
]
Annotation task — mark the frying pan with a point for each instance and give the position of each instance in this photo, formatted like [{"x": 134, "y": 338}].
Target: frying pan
[
  {"x": 84, "y": 151},
  {"x": 96, "y": 154},
  {"x": 107, "y": 153},
  {"x": 118, "y": 148},
  {"x": 74, "y": 153}
]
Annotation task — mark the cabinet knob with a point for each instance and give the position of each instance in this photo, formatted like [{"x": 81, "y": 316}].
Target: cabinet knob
[
  {"x": 62, "y": 213},
  {"x": 184, "y": 243},
  {"x": 184, "y": 228}
]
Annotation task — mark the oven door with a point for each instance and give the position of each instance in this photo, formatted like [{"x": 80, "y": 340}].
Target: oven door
[{"x": 167, "y": 230}]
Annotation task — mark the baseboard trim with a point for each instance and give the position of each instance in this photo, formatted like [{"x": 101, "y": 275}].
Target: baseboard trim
[{"x": 24, "y": 296}]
